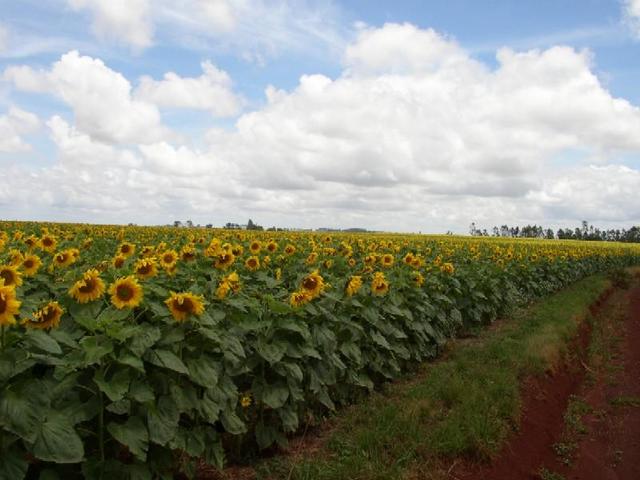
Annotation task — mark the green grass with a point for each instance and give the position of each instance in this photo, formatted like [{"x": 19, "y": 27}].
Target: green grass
[{"x": 464, "y": 405}]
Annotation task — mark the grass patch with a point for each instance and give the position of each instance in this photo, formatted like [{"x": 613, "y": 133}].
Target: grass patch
[{"x": 464, "y": 405}]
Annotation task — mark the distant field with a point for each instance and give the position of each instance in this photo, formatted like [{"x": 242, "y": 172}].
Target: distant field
[{"x": 132, "y": 352}]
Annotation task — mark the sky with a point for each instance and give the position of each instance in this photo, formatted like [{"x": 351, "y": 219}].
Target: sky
[{"x": 410, "y": 116}]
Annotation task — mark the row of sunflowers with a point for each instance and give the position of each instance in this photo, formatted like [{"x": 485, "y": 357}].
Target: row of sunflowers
[{"x": 139, "y": 352}]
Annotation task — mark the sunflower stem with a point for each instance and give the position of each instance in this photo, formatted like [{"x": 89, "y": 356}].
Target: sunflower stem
[{"x": 101, "y": 434}]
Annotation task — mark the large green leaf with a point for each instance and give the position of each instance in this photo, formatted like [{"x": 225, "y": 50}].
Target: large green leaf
[
  {"x": 204, "y": 370},
  {"x": 116, "y": 386},
  {"x": 275, "y": 395},
  {"x": 13, "y": 465},
  {"x": 41, "y": 341},
  {"x": 133, "y": 434},
  {"x": 95, "y": 348},
  {"x": 57, "y": 441},
  {"x": 145, "y": 339},
  {"x": 166, "y": 359},
  {"x": 20, "y": 414},
  {"x": 232, "y": 423},
  {"x": 271, "y": 351},
  {"x": 162, "y": 420}
]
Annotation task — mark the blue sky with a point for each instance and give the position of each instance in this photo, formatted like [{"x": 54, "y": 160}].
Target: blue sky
[{"x": 277, "y": 159}]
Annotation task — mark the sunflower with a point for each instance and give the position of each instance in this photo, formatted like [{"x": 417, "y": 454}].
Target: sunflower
[
  {"x": 447, "y": 268},
  {"x": 188, "y": 253},
  {"x": 278, "y": 273},
  {"x": 47, "y": 317},
  {"x": 237, "y": 250},
  {"x": 63, "y": 259},
  {"x": 245, "y": 400},
  {"x": 48, "y": 243},
  {"x": 272, "y": 246},
  {"x": 223, "y": 289},
  {"x": 290, "y": 249},
  {"x": 299, "y": 298},
  {"x": 9, "y": 305},
  {"x": 224, "y": 260},
  {"x": 118, "y": 261},
  {"x": 312, "y": 258},
  {"x": 408, "y": 258},
  {"x": 146, "y": 268},
  {"x": 126, "y": 249},
  {"x": 387, "y": 260},
  {"x": 90, "y": 288},
  {"x": 31, "y": 264},
  {"x": 126, "y": 292},
  {"x": 313, "y": 284},
  {"x": 86, "y": 244},
  {"x": 352, "y": 262},
  {"x": 148, "y": 251},
  {"x": 181, "y": 305},
  {"x": 353, "y": 285},
  {"x": 15, "y": 257},
  {"x": 370, "y": 260},
  {"x": 255, "y": 247},
  {"x": 417, "y": 278},
  {"x": 168, "y": 259},
  {"x": 252, "y": 263},
  {"x": 31, "y": 242},
  {"x": 234, "y": 281},
  {"x": 11, "y": 276},
  {"x": 379, "y": 284}
]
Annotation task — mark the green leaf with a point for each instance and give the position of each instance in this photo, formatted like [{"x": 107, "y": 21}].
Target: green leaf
[
  {"x": 13, "y": 465},
  {"x": 95, "y": 347},
  {"x": 14, "y": 362},
  {"x": 116, "y": 386},
  {"x": 141, "y": 391},
  {"x": 289, "y": 418},
  {"x": 190, "y": 440},
  {"x": 57, "y": 441},
  {"x": 133, "y": 434},
  {"x": 19, "y": 414},
  {"x": 232, "y": 423},
  {"x": 144, "y": 340},
  {"x": 121, "y": 407},
  {"x": 166, "y": 359},
  {"x": 126, "y": 357},
  {"x": 42, "y": 341},
  {"x": 272, "y": 352},
  {"x": 112, "y": 314},
  {"x": 204, "y": 370},
  {"x": 85, "y": 314},
  {"x": 162, "y": 420},
  {"x": 275, "y": 395}
]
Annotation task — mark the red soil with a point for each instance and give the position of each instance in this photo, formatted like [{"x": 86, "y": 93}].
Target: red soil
[{"x": 610, "y": 450}]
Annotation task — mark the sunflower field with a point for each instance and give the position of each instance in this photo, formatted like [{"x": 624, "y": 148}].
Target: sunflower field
[{"x": 143, "y": 352}]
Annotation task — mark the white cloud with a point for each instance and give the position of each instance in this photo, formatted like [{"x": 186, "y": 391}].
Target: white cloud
[
  {"x": 211, "y": 91},
  {"x": 425, "y": 138},
  {"x": 13, "y": 125},
  {"x": 631, "y": 12},
  {"x": 100, "y": 98},
  {"x": 125, "y": 21}
]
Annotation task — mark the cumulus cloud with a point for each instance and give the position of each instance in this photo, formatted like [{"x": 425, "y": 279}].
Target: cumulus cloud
[
  {"x": 125, "y": 21},
  {"x": 211, "y": 91},
  {"x": 631, "y": 11},
  {"x": 415, "y": 138},
  {"x": 100, "y": 97},
  {"x": 13, "y": 125}
]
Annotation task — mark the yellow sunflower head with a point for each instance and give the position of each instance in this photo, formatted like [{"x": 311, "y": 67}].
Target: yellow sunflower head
[
  {"x": 9, "y": 305},
  {"x": 146, "y": 268},
  {"x": 255, "y": 247},
  {"x": 126, "y": 292},
  {"x": 387, "y": 260},
  {"x": 15, "y": 257},
  {"x": 223, "y": 289},
  {"x": 272, "y": 246},
  {"x": 417, "y": 278},
  {"x": 353, "y": 285},
  {"x": 31, "y": 264},
  {"x": 47, "y": 317},
  {"x": 126, "y": 249},
  {"x": 313, "y": 284},
  {"x": 48, "y": 243},
  {"x": 31, "y": 242},
  {"x": 118, "y": 260},
  {"x": 379, "y": 284},
  {"x": 447, "y": 268},
  {"x": 290, "y": 249},
  {"x": 299, "y": 298},
  {"x": 224, "y": 260},
  {"x": 11, "y": 276},
  {"x": 252, "y": 263},
  {"x": 63, "y": 259},
  {"x": 311, "y": 258},
  {"x": 181, "y": 305},
  {"x": 89, "y": 288},
  {"x": 188, "y": 253},
  {"x": 168, "y": 259}
]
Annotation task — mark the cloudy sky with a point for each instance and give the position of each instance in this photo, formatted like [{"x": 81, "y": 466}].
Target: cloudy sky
[{"x": 412, "y": 115}]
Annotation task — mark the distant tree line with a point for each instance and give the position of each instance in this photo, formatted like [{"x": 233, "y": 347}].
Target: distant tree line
[{"x": 584, "y": 232}]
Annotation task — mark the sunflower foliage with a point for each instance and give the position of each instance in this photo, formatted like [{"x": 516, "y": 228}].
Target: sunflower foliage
[{"x": 144, "y": 352}]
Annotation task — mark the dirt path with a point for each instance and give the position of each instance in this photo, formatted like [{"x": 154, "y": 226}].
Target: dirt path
[{"x": 581, "y": 422}]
